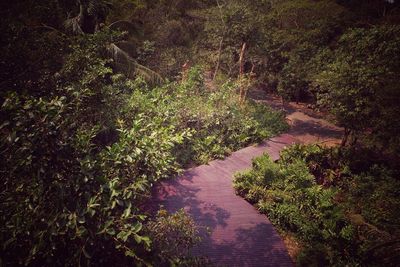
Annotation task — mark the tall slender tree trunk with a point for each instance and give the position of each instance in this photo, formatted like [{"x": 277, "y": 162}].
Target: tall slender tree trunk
[
  {"x": 241, "y": 59},
  {"x": 218, "y": 57},
  {"x": 241, "y": 72},
  {"x": 221, "y": 41}
]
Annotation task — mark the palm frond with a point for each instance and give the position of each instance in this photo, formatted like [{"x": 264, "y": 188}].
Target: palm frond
[
  {"x": 127, "y": 65},
  {"x": 133, "y": 28}
]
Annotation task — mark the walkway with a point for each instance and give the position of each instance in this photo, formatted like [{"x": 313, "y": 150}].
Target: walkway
[{"x": 239, "y": 234}]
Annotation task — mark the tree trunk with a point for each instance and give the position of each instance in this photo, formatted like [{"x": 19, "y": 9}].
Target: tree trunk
[
  {"x": 241, "y": 59},
  {"x": 219, "y": 57},
  {"x": 241, "y": 72},
  {"x": 354, "y": 139},
  {"x": 345, "y": 138},
  {"x": 221, "y": 42}
]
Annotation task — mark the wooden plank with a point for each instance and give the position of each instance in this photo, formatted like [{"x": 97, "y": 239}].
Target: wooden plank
[{"x": 239, "y": 234}]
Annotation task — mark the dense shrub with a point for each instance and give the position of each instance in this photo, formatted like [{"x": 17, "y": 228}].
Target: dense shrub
[
  {"x": 360, "y": 87},
  {"x": 214, "y": 120},
  {"x": 78, "y": 162},
  {"x": 72, "y": 176},
  {"x": 176, "y": 234},
  {"x": 342, "y": 215}
]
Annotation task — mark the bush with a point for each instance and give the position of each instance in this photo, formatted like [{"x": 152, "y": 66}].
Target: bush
[
  {"x": 78, "y": 162},
  {"x": 289, "y": 194},
  {"x": 341, "y": 216},
  {"x": 176, "y": 234},
  {"x": 73, "y": 176},
  {"x": 214, "y": 121}
]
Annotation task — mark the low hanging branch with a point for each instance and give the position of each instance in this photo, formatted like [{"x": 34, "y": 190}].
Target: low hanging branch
[{"x": 130, "y": 67}]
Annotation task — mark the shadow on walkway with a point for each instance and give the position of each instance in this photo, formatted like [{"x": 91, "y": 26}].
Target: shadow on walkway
[{"x": 234, "y": 233}]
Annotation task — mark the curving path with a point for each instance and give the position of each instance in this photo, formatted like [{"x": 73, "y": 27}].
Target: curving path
[{"x": 238, "y": 235}]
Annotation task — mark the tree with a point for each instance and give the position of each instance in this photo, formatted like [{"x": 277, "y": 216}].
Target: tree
[
  {"x": 296, "y": 32},
  {"x": 92, "y": 16},
  {"x": 360, "y": 87},
  {"x": 92, "y": 13},
  {"x": 229, "y": 25}
]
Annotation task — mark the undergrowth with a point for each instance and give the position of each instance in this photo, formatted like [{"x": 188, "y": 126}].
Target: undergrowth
[
  {"x": 343, "y": 214},
  {"x": 213, "y": 121},
  {"x": 80, "y": 156}
]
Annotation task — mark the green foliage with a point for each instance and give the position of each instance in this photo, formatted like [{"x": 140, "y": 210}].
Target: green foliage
[
  {"x": 360, "y": 86},
  {"x": 28, "y": 48},
  {"x": 73, "y": 177},
  {"x": 176, "y": 234},
  {"x": 216, "y": 123},
  {"x": 374, "y": 195},
  {"x": 342, "y": 217},
  {"x": 79, "y": 160},
  {"x": 81, "y": 146},
  {"x": 340, "y": 54},
  {"x": 228, "y": 26},
  {"x": 300, "y": 29},
  {"x": 289, "y": 194}
]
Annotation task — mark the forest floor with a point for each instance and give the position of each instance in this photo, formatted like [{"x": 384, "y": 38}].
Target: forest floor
[{"x": 233, "y": 232}]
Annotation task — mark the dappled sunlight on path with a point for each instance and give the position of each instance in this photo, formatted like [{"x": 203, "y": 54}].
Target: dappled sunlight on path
[
  {"x": 306, "y": 125},
  {"x": 238, "y": 235}
]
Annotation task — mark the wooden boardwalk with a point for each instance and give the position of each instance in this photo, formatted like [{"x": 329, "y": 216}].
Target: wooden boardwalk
[{"x": 239, "y": 235}]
